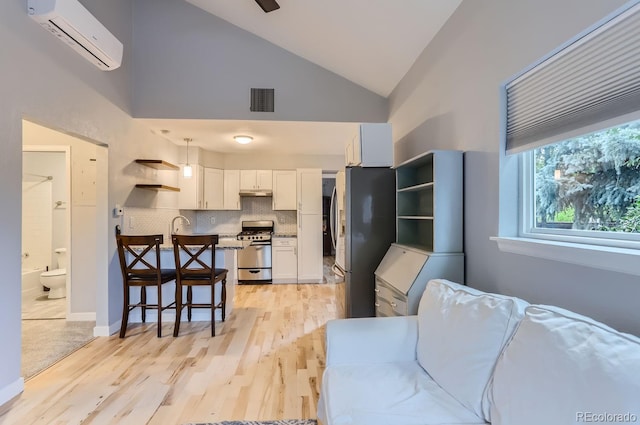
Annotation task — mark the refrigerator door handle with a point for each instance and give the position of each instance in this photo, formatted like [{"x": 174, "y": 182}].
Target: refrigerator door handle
[{"x": 332, "y": 218}]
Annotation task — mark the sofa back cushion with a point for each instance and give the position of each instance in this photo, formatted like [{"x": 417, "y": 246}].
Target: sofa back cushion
[
  {"x": 564, "y": 368},
  {"x": 461, "y": 332}
]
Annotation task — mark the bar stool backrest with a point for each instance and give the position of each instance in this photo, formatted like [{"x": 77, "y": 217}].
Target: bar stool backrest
[{"x": 195, "y": 256}]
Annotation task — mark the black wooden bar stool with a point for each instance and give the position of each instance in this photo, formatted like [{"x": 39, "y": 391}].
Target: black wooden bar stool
[
  {"x": 140, "y": 265},
  {"x": 195, "y": 257}
]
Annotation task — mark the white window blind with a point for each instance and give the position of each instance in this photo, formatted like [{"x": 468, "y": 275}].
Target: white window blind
[{"x": 594, "y": 80}]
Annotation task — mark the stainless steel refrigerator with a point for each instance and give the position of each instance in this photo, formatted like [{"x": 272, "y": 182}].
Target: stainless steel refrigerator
[{"x": 369, "y": 229}]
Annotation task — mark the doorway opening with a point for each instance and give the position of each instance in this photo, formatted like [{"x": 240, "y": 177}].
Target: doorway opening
[{"x": 59, "y": 245}]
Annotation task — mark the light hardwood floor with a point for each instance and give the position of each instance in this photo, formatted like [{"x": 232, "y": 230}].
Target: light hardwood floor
[{"x": 266, "y": 362}]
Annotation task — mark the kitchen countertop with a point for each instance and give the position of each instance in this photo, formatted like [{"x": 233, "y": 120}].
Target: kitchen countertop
[
  {"x": 285, "y": 235},
  {"x": 223, "y": 243}
]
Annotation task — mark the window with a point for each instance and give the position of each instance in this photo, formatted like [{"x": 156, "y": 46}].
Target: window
[
  {"x": 586, "y": 186},
  {"x": 575, "y": 121}
]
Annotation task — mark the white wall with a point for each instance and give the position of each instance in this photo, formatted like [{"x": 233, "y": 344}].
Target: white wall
[
  {"x": 450, "y": 99},
  {"x": 262, "y": 161}
]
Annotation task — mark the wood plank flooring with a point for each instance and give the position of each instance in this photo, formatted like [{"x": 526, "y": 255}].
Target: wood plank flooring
[{"x": 266, "y": 362}]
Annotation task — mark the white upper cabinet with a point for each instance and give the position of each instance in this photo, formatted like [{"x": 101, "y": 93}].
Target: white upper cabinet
[
  {"x": 213, "y": 189},
  {"x": 256, "y": 180},
  {"x": 309, "y": 191},
  {"x": 284, "y": 190},
  {"x": 191, "y": 192},
  {"x": 231, "y": 199},
  {"x": 371, "y": 147},
  {"x": 264, "y": 179}
]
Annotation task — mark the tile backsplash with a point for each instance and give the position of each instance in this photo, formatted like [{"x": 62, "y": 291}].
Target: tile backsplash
[
  {"x": 150, "y": 221},
  {"x": 141, "y": 221},
  {"x": 230, "y": 222}
]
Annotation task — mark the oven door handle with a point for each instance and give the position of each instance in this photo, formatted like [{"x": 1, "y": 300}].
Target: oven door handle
[{"x": 260, "y": 243}]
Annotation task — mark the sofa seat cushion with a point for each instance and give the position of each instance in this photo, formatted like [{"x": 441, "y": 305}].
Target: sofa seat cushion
[
  {"x": 399, "y": 393},
  {"x": 564, "y": 368},
  {"x": 461, "y": 333}
]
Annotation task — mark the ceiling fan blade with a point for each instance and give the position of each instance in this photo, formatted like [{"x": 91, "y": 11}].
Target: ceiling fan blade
[{"x": 268, "y": 5}]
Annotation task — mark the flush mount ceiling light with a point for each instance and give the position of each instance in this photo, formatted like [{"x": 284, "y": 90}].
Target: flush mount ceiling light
[
  {"x": 187, "y": 171},
  {"x": 243, "y": 140}
]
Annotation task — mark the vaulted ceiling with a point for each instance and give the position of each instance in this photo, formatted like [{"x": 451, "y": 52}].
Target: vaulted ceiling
[{"x": 372, "y": 43}]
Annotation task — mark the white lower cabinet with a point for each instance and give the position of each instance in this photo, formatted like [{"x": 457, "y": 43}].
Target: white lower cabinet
[
  {"x": 309, "y": 188},
  {"x": 310, "y": 248},
  {"x": 284, "y": 260}
]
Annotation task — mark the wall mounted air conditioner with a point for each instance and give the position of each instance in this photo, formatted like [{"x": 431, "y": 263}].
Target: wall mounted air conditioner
[{"x": 72, "y": 24}]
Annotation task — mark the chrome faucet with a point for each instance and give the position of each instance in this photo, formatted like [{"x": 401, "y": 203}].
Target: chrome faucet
[{"x": 173, "y": 229}]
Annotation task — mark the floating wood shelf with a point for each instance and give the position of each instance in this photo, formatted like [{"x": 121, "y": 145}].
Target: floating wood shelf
[
  {"x": 158, "y": 164},
  {"x": 158, "y": 187}
]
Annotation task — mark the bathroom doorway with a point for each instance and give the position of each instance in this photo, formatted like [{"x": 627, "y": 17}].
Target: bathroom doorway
[
  {"x": 45, "y": 230},
  {"x": 59, "y": 216}
]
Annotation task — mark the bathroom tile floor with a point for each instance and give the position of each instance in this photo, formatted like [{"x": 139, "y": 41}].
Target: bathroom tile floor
[{"x": 36, "y": 305}]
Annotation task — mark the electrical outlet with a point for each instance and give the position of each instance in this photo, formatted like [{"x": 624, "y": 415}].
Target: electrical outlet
[
  {"x": 118, "y": 211},
  {"x": 212, "y": 220},
  {"x": 132, "y": 222}
]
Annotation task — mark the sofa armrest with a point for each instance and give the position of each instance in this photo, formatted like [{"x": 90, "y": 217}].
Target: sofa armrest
[{"x": 372, "y": 340}]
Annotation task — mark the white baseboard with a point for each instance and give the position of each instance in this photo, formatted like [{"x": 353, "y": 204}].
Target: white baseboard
[
  {"x": 11, "y": 390},
  {"x": 198, "y": 315},
  {"x": 82, "y": 317},
  {"x": 284, "y": 281},
  {"x": 106, "y": 330},
  {"x": 320, "y": 280}
]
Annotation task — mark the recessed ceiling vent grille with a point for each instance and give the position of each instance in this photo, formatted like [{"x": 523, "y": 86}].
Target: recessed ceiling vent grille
[{"x": 262, "y": 100}]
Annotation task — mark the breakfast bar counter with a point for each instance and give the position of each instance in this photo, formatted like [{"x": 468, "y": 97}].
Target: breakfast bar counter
[{"x": 225, "y": 257}]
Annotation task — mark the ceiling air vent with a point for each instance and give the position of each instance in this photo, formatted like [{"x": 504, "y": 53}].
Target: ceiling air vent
[{"x": 262, "y": 100}]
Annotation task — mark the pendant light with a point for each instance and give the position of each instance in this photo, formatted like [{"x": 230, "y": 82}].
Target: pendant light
[{"x": 187, "y": 171}]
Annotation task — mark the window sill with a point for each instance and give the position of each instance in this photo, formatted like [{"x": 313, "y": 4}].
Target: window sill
[{"x": 622, "y": 260}]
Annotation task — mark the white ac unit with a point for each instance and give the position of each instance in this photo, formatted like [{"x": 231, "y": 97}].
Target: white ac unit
[{"x": 72, "y": 24}]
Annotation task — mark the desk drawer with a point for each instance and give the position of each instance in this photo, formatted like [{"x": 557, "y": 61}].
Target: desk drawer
[{"x": 389, "y": 302}]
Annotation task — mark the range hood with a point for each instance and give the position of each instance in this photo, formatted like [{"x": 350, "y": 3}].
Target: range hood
[{"x": 256, "y": 192}]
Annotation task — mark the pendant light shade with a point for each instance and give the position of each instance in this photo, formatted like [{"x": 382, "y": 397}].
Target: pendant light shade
[{"x": 187, "y": 170}]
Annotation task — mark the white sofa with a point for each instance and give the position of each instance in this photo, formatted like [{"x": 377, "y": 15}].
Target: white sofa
[{"x": 471, "y": 357}]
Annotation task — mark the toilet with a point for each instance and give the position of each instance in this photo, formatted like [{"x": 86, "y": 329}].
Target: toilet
[{"x": 56, "y": 280}]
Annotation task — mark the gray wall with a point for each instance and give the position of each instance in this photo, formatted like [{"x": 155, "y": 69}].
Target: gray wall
[
  {"x": 191, "y": 64},
  {"x": 450, "y": 99},
  {"x": 46, "y": 82}
]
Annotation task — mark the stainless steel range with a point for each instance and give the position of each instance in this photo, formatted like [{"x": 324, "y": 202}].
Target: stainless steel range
[{"x": 254, "y": 262}]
